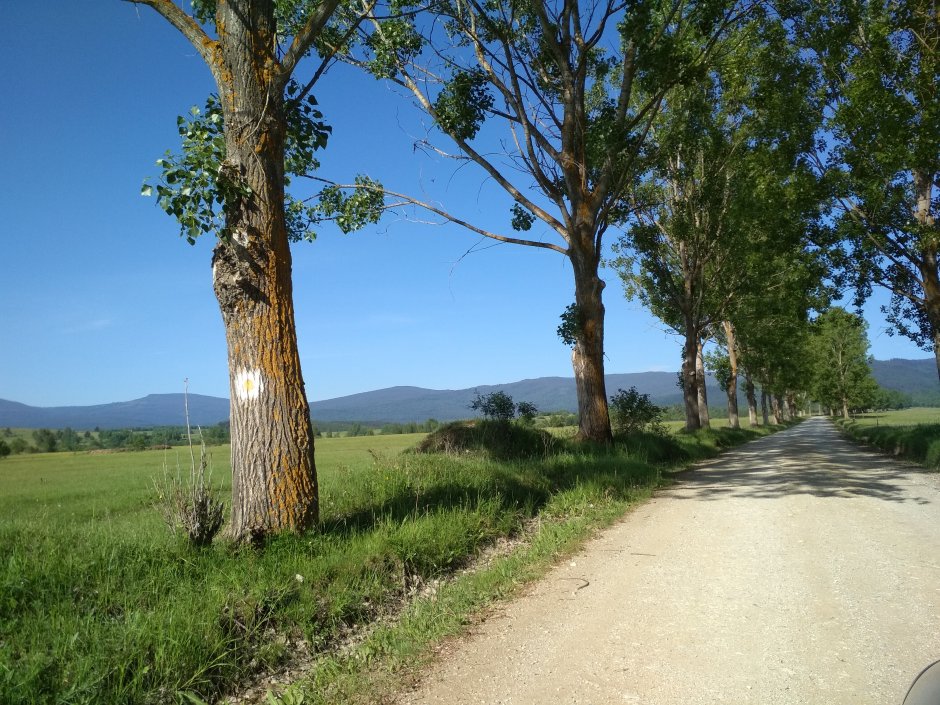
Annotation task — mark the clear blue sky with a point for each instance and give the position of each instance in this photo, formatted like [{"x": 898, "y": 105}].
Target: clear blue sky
[{"x": 101, "y": 301}]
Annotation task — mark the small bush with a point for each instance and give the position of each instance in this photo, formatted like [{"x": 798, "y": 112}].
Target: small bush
[
  {"x": 497, "y": 406},
  {"x": 932, "y": 459},
  {"x": 195, "y": 508},
  {"x": 497, "y": 439},
  {"x": 631, "y": 411},
  {"x": 526, "y": 411}
]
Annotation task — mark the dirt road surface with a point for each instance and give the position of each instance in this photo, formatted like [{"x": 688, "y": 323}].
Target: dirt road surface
[{"x": 794, "y": 570}]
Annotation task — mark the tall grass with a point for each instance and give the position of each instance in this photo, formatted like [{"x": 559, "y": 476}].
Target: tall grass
[
  {"x": 100, "y": 604},
  {"x": 913, "y": 434}
]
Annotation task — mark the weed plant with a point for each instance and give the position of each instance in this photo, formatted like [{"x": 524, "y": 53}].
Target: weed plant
[{"x": 99, "y": 605}]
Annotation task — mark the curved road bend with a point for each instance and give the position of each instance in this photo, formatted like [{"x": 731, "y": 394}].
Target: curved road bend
[{"x": 797, "y": 569}]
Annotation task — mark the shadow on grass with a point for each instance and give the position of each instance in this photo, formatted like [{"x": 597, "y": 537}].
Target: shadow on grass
[{"x": 522, "y": 487}]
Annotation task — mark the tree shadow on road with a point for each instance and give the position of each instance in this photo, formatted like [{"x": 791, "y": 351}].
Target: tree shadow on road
[{"x": 811, "y": 459}]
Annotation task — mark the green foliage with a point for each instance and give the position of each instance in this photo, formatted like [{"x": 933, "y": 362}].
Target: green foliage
[
  {"x": 842, "y": 377},
  {"x": 45, "y": 440},
  {"x": 463, "y": 103},
  {"x": 522, "y": 219},
  {"x": 631, "y": 412},
  {"x": 526, "y": 411},
  {"x": 5, "y": 449},
  {"x": 572, "y": 325},
  {"x": 198, "y": 187},
  {"x": 351, "y": 211},
  {"x": 397, "y": 43},
  {"x": 495, "y": 406},
  {"x": 881, "y": 64}
]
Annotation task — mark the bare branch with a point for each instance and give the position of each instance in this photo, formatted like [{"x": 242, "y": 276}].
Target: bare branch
[
  {"x": 188, "y": 27},
  {"x": 405, "y": 199}
]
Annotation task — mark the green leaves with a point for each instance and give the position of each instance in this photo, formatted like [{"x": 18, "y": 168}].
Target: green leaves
[
  {"x": 396, "y": 43},
  {"x": 351, "y": 211},
  {"x": 522, "y": 219},
  {"x": 462, "y": 105},
  {"x": 197, "y": 187},
  {"x": 572, "y": 325}
]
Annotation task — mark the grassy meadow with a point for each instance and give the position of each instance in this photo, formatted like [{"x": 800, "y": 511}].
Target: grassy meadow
[
  {"x": 913, "y": 434},
  {"x": 99, "y": 603}
]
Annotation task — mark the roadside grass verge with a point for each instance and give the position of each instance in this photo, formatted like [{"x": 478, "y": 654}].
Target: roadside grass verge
[
  {"x": 913, "y": 434},
  {"x": 99, "y": 604}
]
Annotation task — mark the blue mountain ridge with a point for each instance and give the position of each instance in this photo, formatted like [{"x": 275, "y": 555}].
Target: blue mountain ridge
[{"x": 403, "y": 404}]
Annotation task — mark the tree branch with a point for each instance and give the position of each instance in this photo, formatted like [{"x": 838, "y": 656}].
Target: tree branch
[
  {"x": 444, "y": 214},
  {"x": 305, "y": 37},
  {"x": 188, "y": 27}
]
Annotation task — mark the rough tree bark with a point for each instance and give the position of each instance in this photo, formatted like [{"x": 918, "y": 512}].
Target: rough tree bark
[
  {"x": 732, "y": 383},
  {"x": 701, "y": 391},
  {"x": 775, "y": 408},
  {"x": 764, "y": 407},
  {"x": 751, "y": 398},
  {"x": 689, "y": 379},
  {"x": 274, "y": 486},
  {"x": 587, "y": 357},
  {"x": 923, "y": 190},
  {"x": 791, "y": 406}
]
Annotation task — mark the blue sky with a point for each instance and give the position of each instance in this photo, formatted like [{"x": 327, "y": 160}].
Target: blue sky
[{"x": 100, "y": 300}]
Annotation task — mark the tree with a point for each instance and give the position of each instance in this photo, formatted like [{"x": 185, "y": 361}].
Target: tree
[
  {"x": 526, "y": 411},
  {"x": 576, "y": 86},
  {"x": 842, "y": 376},
  {"x": 45, "y": 440},
  {"x": 497, "y": 406},
  {"x": 724, "y": 211},
  {"x": 252, "y": 48},
  {"x": 5, "y": 449},
  {"x": 881, "y": 63},
  {"x": 632, "y": 412}
]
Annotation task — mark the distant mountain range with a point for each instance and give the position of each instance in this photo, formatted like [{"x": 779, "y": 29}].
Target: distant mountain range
[{"x": 917, "y": 378}]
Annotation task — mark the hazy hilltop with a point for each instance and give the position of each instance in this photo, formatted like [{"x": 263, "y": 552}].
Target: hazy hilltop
[{"x": 917, "y": 378}]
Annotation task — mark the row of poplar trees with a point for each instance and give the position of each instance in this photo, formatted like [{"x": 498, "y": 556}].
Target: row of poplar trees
[{"x": 749, "y": 157}]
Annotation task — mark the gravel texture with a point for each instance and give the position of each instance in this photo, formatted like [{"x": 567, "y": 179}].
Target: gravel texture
[{"x": 797, "y": 569}]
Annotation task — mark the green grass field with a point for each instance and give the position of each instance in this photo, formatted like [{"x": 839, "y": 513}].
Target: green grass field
[
  {"x": 913, "y": 434},
  {"x": 900, "y": 417},
  {"x": 99, "y": 603}
]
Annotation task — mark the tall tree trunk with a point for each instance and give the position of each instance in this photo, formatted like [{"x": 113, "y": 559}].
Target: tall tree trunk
[
  {"x": 775, "y": 408},
  {"x": 751, "y": 398},
  {"x": 930, "y": 277},
  {"x": 791, "y": 406},
  {"x": 700, "y": 387},
  {"x": 845, "y": 409},
  {"x": 587, "y": 358},
  {"x": 732, "y": 383},
  {"x": 274, "y": 485},
  {"x": 763, "y": 406},
  {"x": 689, "y": 378}
]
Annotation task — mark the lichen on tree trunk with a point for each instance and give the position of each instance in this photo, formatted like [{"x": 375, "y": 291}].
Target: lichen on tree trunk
[
  {"x": 749, "y": 392},
  {"x": 587, "y": 357},
  {"x": 690, "y": 379},
  {"x": 700, "y": 389},
  {"x": 274, "y": 486}
]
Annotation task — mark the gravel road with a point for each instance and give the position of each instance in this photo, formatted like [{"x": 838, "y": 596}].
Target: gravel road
[{"x": 797, "y": 569}]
